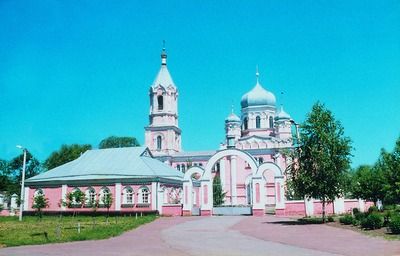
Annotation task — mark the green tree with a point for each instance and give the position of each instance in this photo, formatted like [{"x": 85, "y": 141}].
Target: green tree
[
  {"x": 65, "y": 154},
  {"x": 389, "y": 164},
  {"x": 14, "y": 171},
  {"x": 118, "y": 142},
  {"x": 368, "y": 183},
  {"x": 40, "y": 202},
  {"x": 323, "y": 159},
  {"x": 75, "y": 199},
  {"x": 107, "y": 202},
  {"x": 218, "y": 193},
  {"x": 5, "y": 180}
]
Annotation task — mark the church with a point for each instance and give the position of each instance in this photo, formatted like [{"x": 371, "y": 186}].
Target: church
[{"x": 161, "y": 177}]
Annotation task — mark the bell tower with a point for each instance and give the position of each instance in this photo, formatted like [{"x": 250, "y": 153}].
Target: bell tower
[{"x": 163, "y": 135}]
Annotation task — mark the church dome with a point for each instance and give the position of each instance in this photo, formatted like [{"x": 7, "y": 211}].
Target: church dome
[
  {"x": 258, "y": 96},
  {"x": 281, "y": 114},
  {"x": 232, "y": 118}
]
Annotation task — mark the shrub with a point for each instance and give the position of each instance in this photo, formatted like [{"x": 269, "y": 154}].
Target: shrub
[
  {"x": 356, "y": 211},
  {"x": 360, "y": 216},
  {"x": 372, "y": 209},
  {"x": 387, "y": 216},
  {"x": 355, "y": 222},
  {"x": 346, "y": 219},
  {"x": 330, "y": 219},
  {"x": 373, "y": 221},
  {"x": 394, "y": 225}
]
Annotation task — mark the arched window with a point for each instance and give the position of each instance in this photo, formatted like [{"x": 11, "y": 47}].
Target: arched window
[
  {"x": 75, "y": 196},
  {"x": 159, "y": 142},
  {"x": 245, "y": 123},
  {"x": 128, "y": 195},
  {"x": 90, "y": 196},
  {"x": 160, "y": 101},
  {"x": 39, "y": 192},
  {"x": 144, "y": 197},
  {"x": 260, "y": 160},
  {"x": 258, "y": 122},
  {"x": 271, "y": 122},
  {"x": 103, "y": 194},
  {"x": 178, "y": 167},
  {"x": 183, "y": 168}
]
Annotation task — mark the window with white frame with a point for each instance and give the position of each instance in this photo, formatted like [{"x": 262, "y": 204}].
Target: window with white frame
[
  {"x": 128, "y": 196},
  {"x": 144, "y": 197},
  {"x": 103, "y": 194},
  {"x": 39, "y": 192},
  {"x": 90, "y": 195}
]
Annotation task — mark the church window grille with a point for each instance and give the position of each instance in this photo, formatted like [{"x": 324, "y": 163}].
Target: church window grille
[
  {"x": 160, "y": 101},
  {"x": 258, "y": 122},
  {"x": 271, "y": 122},
  {"x": 159, "y": 142}
]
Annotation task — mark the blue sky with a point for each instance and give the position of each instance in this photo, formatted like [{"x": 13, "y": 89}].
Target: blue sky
[{"x": 79, "y": 71}]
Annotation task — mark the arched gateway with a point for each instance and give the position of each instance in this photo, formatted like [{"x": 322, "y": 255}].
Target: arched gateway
[{"x": 254, "y": 181}]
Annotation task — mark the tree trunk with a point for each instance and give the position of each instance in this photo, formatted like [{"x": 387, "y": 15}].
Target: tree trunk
[{"x": 323, "y": 210}]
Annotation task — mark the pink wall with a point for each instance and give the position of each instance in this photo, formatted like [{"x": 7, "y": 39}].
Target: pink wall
[
  {"x": 318, "y": 208},
  {"x": 349, "y": 204},
  {"x": 54, "y": 195},
  {"x": 172, "y": 210},
  {"x": 295, "y": 208}
]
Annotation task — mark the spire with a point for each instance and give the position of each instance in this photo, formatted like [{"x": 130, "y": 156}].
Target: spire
[
  {"x": 257, "y": 74},
  {"x": 163, "y": 55}
]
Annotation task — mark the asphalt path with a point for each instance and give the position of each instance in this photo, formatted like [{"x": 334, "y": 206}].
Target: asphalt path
[{"x": 237, "y": 235}]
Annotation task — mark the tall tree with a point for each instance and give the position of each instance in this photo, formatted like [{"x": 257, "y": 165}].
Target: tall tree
[
  {"x": 323, "y": 159},
  {"x": 368, "y": 183},
  {"x": 4, "y": 176},
  {"x": 65, "y": 154},
  {"x": 118, "y": 142},
  {"x": 15, "y": 166},
  {"x": 389, "y": 164},
  {"x": 218, "y": 193}
]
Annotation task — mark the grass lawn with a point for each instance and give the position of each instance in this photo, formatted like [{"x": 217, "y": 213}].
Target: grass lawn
[{"x": 54, "y": 229}]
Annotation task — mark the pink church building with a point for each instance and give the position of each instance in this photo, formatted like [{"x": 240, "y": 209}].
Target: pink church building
[{"x": 251, "y": 164}]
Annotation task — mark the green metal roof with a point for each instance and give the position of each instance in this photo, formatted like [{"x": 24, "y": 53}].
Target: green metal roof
[{"x": 110, "y": 164}]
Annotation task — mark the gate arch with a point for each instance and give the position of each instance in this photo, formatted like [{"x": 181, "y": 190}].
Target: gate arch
[
  {"x": 188, "y": 188},
  {"x": 207, "y": 177},
  {"x": 230, "y": 152},
  {"x": 259, "y": 184}
]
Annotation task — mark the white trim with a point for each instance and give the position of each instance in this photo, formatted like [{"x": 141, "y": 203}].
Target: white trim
[
  {"x": 26, "y": 199},
  {"x": 309, "y": 205},
  {"x": 63, "y": 196},
  {"x": 234, "y": 181},
  {"x": 153, "y": 195},
  {"x": 117, "y": 196}
]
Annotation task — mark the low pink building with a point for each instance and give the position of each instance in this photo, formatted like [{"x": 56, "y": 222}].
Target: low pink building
[{"x": 136, "y": 181}]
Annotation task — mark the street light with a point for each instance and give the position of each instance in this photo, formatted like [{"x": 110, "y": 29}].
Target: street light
[
  {"x": 22, "y": 197},
  {"x": 297, "y": 130}
]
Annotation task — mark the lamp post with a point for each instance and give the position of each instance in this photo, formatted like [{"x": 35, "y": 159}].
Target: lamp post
[
  {"x": 22, "y": 197},
  {"x": 297, "y": 130}
]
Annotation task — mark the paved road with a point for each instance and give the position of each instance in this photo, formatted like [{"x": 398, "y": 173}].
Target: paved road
[{"x": 223, "y": 236}]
